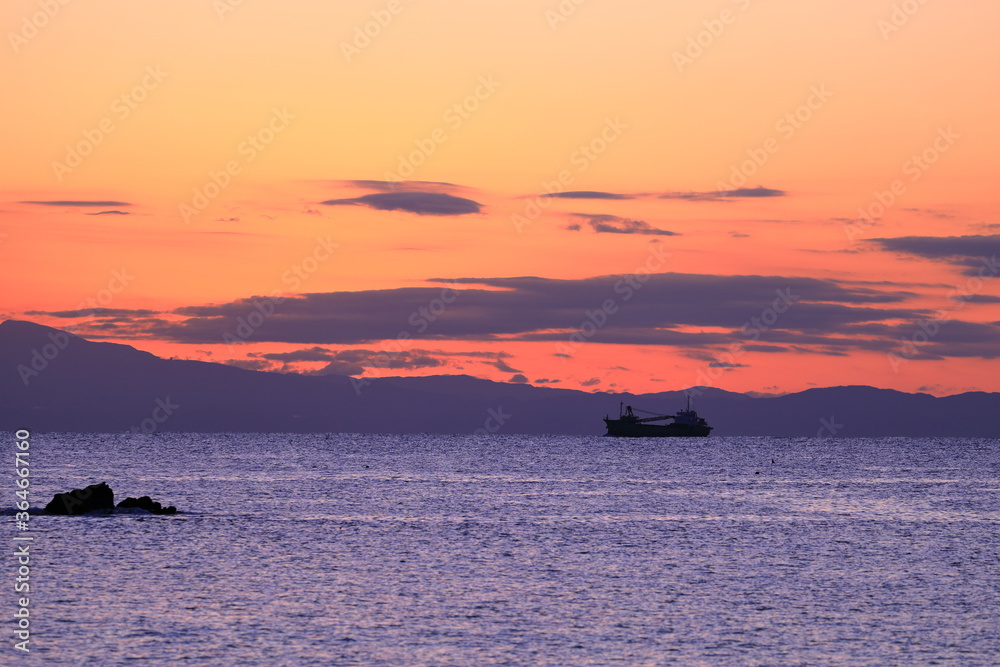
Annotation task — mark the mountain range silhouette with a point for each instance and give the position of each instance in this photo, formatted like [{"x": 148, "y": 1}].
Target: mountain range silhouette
[{"x": 52, "y": 381}]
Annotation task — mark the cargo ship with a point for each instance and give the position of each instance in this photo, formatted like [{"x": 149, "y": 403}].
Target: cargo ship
[{"x": 685, "y": 424}]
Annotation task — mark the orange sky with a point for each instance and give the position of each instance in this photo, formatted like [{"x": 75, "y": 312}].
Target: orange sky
[{"x": 126, "y": 109}]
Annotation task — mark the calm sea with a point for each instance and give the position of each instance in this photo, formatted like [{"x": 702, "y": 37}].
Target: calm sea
[{"x": 513, "y": 550}]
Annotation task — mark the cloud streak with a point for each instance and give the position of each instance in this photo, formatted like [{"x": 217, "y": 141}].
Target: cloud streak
[
  {"x": 711, "y": 195},
  {"x": 688, "y": 311},
  {"x": 696, "y": 313},
  {"x": 586, "y": 194},
  {"x": 77, "y": 202},
  {"x": 613, "y": 224},
  {"x": 973, "y": 253},
  {"x": 403, "y": 186},
  {"x": 420, "y": 203},
  {"x": 721, "y": 195}
]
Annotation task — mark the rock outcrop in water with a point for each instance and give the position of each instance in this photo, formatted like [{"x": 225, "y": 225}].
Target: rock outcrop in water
[
  {"x": 100, "y": 498},
  {"x": 148, "y": 504},
  {"x": 94, "y": 498}
]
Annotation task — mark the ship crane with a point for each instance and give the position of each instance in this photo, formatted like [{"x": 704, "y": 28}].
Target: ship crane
[{"x": 640, "y": 420}]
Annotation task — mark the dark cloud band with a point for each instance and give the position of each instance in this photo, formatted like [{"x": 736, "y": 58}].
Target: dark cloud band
[{"x": 421, "y": 203}]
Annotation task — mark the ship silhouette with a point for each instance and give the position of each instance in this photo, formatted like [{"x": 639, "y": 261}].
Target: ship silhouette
[{"x": 686, "y": 424}]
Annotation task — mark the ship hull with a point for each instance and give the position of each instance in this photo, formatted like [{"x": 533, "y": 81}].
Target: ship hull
[{"x": 625, "y": 429}]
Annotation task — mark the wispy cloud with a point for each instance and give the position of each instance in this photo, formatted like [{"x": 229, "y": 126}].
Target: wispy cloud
[
  {"x": 355, "y": 361},
  {"x": 502, "y": 365},
  {"x": 753, "y": 192},
  {"x": 969, "y": 252},
  {"x": 421, "y": 203},
  {"x": 78, "y": 202},
  {"x": 687, "y": 311},
  {"x": 403, "y": 186},
  {"x": 94, "y": 312},
  {"x": 587, "y": 194},
  {"x": 613, "y": 224},
  {"x": 720, "y": 195},
  {"x": 692, "y": 195}
]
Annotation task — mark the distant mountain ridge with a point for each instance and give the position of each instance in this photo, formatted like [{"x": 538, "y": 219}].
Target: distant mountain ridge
[{"x": 52, "y": 380}]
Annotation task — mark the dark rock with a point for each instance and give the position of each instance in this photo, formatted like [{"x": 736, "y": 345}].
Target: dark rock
[
  {"x": 100, "y": 497},
  {"x": 79, "y": 501},
  {"x": 148, "y": 504}
]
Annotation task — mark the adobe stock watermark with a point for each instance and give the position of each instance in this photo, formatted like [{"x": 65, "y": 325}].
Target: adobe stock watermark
[
  {"x": 561, "y": 12},
  {"x": 121, "y": 108},
  {"x": 120, "y": 279},
  {"x": 420, "y": 321},
  {"x": 711, "y": 30},
  {"x": 366, "y": 33},
  {"x": 786, "y": 127},
  {"x": 33, "y": 24},
  {"x": 40, "y": 359},
  {"x": 625, "y": 288},
  {"x": 915, "y": 167},
  {"x": 21, "y": 561},
  {"x": 495, "y": 419},
  {"x": 454, "y": 117},
  {"x": 752, "y": 330},
  {"x": 929, "y": 329},
  {"x": 59, "y": 341},
  {"x": 225, "y": 7},
  {"x": 248, "y": 150},
  {"x": 828, "y": 428},
  {"x": 293, "y": 278},
  {"x": 899, "y": 16},
  {"x": 581, "y": 158},
  {"x": 163, "y": 410}
]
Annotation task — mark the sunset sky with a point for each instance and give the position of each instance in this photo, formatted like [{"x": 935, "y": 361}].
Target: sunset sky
[{"x": 757, "y": 195}]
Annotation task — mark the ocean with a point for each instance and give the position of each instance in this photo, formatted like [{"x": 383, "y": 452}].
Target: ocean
[{"x": 343, "y": 549}]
